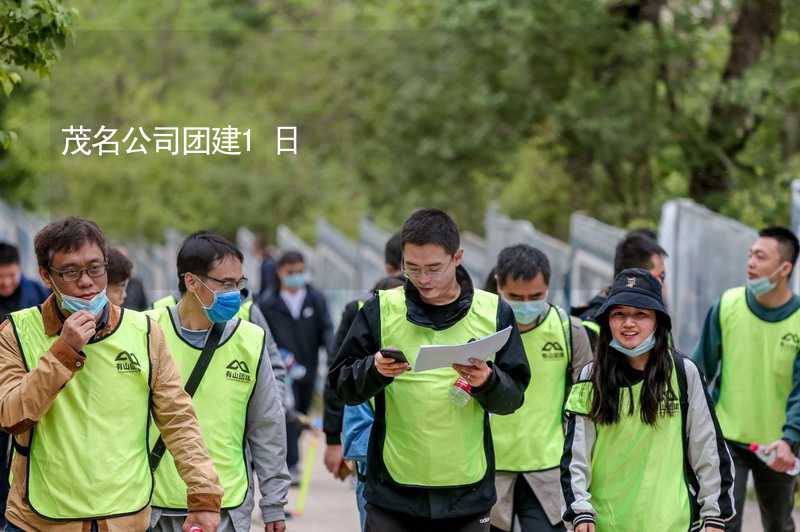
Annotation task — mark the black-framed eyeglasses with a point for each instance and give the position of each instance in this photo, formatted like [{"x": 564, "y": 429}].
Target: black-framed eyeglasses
[
  {"x": 73, "y": 274},
  {"x": 240, "y": 285},
  {"x": 415, "y": 272}
]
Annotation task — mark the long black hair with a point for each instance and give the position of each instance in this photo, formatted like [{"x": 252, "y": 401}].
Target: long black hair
[{"x": 657, "y": 397}]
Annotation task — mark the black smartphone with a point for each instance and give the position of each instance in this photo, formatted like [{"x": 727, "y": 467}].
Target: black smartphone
[{"x": 394, "y": 354}]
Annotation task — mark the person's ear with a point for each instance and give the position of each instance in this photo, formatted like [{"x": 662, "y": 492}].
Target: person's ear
[
  {"x": 190, "y": 281},
  {"x": 458, "y": 256},
  {"x": 789, "y": 268},
  {"x": 44, "y": 274}
]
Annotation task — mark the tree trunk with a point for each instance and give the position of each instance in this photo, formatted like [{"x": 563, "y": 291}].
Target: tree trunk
[{"x": 730, "y": 124}]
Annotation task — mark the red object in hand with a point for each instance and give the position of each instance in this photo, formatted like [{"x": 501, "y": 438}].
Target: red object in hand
[{"x": 196, "y": 529}]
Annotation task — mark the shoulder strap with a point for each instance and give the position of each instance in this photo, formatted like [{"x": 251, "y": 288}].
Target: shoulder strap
[
  {"x": 683, "y": 398},
  {"x": 212, "y": 342},
  {"x": 566, "y": 326}
]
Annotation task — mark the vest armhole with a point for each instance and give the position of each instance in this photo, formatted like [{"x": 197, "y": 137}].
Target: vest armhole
[
  {"x": 150, "y": 357},
  {"x": 19, "y": 343}
]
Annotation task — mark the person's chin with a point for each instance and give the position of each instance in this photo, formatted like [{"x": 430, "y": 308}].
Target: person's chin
[{"x": 428, "y": 292}]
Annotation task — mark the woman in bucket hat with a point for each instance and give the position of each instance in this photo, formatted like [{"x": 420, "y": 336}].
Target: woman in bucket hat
[{"x": 643, "y": 448}]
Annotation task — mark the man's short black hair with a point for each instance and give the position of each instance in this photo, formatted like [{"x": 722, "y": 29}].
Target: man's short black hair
[
  {"x": 431, "y": 226},
  {"x": 290, "y": 257},
  {"x": 787, "y": 242},
  {"x": 636, "y": 250},
  {"x": 490, "y": 284},
  {"x": 521, "y": 263},
  {"x": 66, "y": 235},
  {"x": 200, "y": 252},
  {"x": 119, "y": 267},
  {"x": 9, "y": 254},
  {"x": 393, "y": 252}
]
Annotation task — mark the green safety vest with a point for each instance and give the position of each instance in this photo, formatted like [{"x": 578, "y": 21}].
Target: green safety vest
[
  {"x": 88, "y": 457},
  {"x": 244, "y": 310},
  {"x": 429, "y": 441},
  {"x": 637, "y": 480},
  {"x": 164, "y": 302},
  {"x": 592, "y": 326},
  {"x": 532, "y": 438},
  {"x": 220, "y": 402},
  {"x": 756, "y": 376}
]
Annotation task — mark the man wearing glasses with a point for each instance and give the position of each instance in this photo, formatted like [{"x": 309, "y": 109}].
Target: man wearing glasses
[
  {"x": 79, "y": 380},
  {"x": 237, "y": 398},
  {"x": 430, "y": 464}
]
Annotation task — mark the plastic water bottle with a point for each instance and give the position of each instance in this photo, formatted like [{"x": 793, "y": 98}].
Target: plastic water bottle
[
  {"x": 460, "y": 392},
  {"x": 768, "y": 457}
]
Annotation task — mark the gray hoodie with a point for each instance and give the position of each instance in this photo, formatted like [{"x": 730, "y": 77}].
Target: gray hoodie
[{"x": 265, "y": 449}]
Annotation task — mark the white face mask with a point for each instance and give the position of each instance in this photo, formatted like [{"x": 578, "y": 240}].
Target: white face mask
[
  {"x": 633, "y": 352},
  {"x": 762, "y": 285}
]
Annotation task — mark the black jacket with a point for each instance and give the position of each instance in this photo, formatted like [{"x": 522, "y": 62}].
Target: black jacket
[
  {"x": 589, "y": 311},
  {"x": 29, "y": 293},
  {"x": 355, "y": 379},
  {"x": 304, "y": 336},
  {"x": 334, "y": 407}
]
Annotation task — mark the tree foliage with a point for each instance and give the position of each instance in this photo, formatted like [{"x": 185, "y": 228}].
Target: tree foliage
[{"x": 546, "y": 106}]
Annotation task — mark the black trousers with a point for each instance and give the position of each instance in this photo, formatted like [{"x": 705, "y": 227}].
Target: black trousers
[
  {"x": 774, "y": 491},
  {"x": 381, "y": 520},
  {"x": 529, "y": 511}
]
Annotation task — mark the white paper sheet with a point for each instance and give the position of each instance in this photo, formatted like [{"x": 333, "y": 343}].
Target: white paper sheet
[{"x": 444, "y": 356}]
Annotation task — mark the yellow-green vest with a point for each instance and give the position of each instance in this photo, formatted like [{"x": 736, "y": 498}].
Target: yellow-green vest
[
  {"x": 757, "y": 366},
  {"x": 244, "y": 310},
  {"x": 592, "y": 326},
  {"x": 637, "y": 480},
  {"x": 164, "y": 302},
  {"x": 88, "y": 455},
  {"x": 429, "y": 440},
  {"x": 220, "y": 402},
  {"x": 532, "y": 438}
]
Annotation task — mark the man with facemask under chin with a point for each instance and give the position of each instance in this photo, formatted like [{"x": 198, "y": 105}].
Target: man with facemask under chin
[
  {"x": 748, "y": 351},
  {"x": 75, "y": 372}
]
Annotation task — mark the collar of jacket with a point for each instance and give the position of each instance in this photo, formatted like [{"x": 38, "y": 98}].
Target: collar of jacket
[
  {"x": 53, "y": 318},
  {"x": 276, "y": 302},
  {"x": 417, "y": 309}
]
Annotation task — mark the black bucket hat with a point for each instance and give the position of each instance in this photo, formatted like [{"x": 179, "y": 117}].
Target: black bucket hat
[{"x": 635, "y": 287}]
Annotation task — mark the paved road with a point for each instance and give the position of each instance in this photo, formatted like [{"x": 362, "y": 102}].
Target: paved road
[{"x": 330, "y": 506}]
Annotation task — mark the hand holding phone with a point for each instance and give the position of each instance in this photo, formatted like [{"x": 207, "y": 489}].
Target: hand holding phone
[{"x": 391, "y": 362}]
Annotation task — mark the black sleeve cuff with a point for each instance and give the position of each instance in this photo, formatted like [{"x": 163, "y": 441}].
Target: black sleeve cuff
[
  {"x": 489, "y": 384},
  {"x": 716, "y": 522},
  {"x": 333, "y": 438},
  {"x": 583, "y": 518}
]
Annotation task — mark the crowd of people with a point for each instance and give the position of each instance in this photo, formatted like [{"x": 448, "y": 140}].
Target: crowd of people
[{"x": 187, "y": 412}]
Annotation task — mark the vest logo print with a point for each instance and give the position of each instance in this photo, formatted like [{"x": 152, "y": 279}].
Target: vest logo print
[
  {"x": 791, "y": 340},
  {"x": 127, "y": 363},
  {"x": 237, "y": 371},
  {"x": 552, "y": 351},
  {"x": 669, "y": 405}
]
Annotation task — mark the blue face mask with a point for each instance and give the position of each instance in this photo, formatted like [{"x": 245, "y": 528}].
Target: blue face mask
[
  {"x": 224, "y": 306},
  {"x": 639, "y": 350},
  {"x": 526, "y": 312},
  {"x": 71, "y": 304},
  {"x": 760, "y": 286},
  {"x": 295, "y": 280}
]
